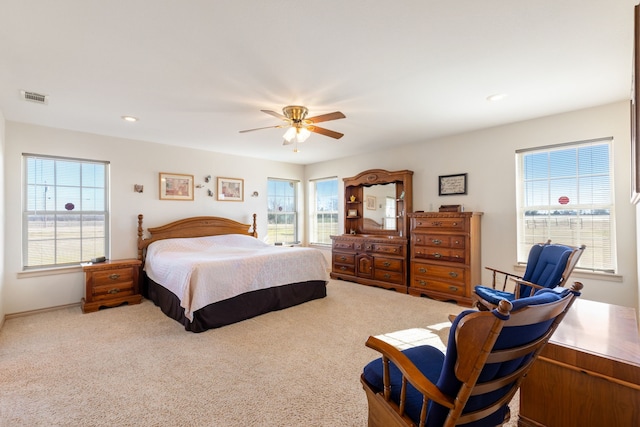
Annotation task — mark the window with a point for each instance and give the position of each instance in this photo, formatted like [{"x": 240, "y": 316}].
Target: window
[
  {"x": 65, "y": 214},
  {"x": 324, "y": 210},
  {"x": 565, "y": 193},
  {"x": 282, "y": 209}
]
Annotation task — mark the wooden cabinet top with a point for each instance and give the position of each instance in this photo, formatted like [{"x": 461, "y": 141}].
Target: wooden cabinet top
[
  {"x": 111, "y": 264},
  {"x": 443, "y": 214},
  {"x": 598, "y": 337}
]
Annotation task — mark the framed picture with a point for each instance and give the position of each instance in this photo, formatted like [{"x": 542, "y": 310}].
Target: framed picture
[
  {"x": 231, "y": 189},
  {"x": 174, "y": 186},
  {"x": 352, "y": 212},
  {"x": 452, "y": 184},
  {"x": 371, "y": 202}
]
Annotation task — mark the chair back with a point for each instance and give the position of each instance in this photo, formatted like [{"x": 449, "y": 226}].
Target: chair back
[
  {"x": 550, "y": 265},
  {"x": 488, "y": 354}
]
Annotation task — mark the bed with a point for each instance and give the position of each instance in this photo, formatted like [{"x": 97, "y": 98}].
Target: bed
[{"x": 208, "y": 272}]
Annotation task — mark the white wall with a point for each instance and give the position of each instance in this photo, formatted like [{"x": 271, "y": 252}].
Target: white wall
[
  {"x": 132, "y": 162},
  {"x": 488, "y": 156},
  {"x": 2, "y": 216}
]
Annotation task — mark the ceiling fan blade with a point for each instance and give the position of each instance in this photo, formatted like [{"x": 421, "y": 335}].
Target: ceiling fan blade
[
  {"x": 326, "y": 117},
  {"x": 285, "y": 142},
  {"x": 325, "y": 132},
  {"x": 274, "y": 114},
  {"x": 266, "y": 127}
]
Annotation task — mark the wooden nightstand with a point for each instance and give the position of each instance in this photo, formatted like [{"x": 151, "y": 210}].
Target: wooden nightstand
[{"x": 110, "y": 284}]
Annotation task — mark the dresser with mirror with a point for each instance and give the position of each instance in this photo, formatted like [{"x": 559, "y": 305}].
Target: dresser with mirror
[{"x": 374, "y": 247}]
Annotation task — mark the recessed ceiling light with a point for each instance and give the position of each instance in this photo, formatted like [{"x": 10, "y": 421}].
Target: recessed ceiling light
[
  {"x": 497, "y": 97},
  {"x": 129, "y": 119}
]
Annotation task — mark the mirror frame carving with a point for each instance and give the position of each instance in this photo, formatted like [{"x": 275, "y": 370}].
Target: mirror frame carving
[{"x": 354, "y": 186}]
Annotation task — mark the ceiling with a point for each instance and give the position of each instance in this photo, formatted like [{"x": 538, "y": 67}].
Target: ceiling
[{"x": 197, "y": 72}]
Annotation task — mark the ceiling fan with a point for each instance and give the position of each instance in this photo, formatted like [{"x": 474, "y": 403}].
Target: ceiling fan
[{"x": 299, "y": 126}]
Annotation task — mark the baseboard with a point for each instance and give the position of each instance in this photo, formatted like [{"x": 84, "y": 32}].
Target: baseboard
[{"x": 40, "y": 310}]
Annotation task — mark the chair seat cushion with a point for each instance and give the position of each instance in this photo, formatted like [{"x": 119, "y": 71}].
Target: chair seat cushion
[
  {"x": 493, "y": 296},
  {"x": 426, "y": 358}
]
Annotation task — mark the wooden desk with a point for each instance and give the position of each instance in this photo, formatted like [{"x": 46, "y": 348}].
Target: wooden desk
[{"x": 589, "y": 372}]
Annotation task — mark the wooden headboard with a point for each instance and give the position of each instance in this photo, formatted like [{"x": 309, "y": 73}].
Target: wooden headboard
[{"x": 198, "y": 226}]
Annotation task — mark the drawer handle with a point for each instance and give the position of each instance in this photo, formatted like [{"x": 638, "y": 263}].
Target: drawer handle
[
  {"x": 422, "y": 282},
  {"x": 437, "y": 255},
  {"x": 455, "y": 224},
  {"x": 386, "y": 263},
  {"x": 387, "y": 276},
  {"x": 343, "y": 268},
  {"x": 114, "y": 276},
  {"x": 418, "y": 239},
  {"x": 453, "y": 289},
  {"x": 113, "y": 291},
  {"x": 436, "y": 241},
  {"x": 436, "y": 223},
  {"x": 453, "y": 274},
  {"x": 422, "y": 270},
  {"x": 343, "y": 258}
]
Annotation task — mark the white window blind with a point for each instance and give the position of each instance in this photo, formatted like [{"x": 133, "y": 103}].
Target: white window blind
[
  {"x": 565, "y": 193},
  {"x": 65, "y": 214}
]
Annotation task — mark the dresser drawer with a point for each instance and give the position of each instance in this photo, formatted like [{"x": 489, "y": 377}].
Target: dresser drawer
[
  {"x": 388, "y": 249},
  {"x": 344, "y": 268},
  {"x": 456, "y": 242},
  {"x": 428, "y": 271},
  {"x": 389, "y": 264},
  {"x": 343, "y": 244},
  {"x": 444, "y": 224},
  {"x": 341, "y": 258},
  {"x": 439, "y": 286},
  {"x": 389, "y": 276},
  {"x": 439, "y": 254}
]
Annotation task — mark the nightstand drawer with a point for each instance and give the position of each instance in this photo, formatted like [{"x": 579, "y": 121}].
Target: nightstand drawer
[
  {"x": 112, "y": 277},
  {"x": 113, "y": 290}
]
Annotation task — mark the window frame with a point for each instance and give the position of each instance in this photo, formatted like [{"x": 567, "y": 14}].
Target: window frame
[
  {"x": 57, "y": 212},
  {"x": 581, "y": 211},
  {"x": 295, "y": 184},
  {"x": 314, "y": 212}
]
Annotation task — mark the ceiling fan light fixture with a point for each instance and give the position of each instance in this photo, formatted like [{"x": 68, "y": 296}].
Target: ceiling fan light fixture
[{"x": 296, "y": 134}]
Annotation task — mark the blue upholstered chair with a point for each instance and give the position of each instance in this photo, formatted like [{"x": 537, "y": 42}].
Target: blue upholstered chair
[
  {"x": 488, "y": 354},
  {"x": 549, "y": 265}
]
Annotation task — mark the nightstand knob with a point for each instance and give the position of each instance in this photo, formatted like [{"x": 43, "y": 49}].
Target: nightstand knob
[
  {"x": 113, "y": 291},
  {"x": 114, "y": 276}
]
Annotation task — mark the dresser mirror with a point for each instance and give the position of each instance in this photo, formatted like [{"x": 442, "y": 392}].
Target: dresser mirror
[
  {"x": 377, "y": 201},
  {"x": 380, "y": 210}
]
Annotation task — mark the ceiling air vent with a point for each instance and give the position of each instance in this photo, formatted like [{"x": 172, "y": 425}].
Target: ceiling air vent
[{"x": 34, "y": 97}]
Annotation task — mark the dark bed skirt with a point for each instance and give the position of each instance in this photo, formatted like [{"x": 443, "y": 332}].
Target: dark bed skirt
[{"x": 236, "y": 309}]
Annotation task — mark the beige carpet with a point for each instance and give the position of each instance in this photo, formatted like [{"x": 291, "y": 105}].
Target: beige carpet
[{"x": 132, "y": 366}]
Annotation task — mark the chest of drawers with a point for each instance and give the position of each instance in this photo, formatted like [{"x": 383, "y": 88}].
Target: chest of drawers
[
  {"x": 445, "y": 255},
  {"x": 110, "y": 284}
]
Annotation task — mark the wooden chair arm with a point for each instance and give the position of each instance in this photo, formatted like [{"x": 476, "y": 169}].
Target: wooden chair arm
[
  {"x": 506, "y": 275},
  {"x": 409, "y": 371},
  {"x": 525, "y": 283}
]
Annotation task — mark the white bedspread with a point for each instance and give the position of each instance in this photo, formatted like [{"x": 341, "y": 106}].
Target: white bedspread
[{"x": 204, "y": 270}]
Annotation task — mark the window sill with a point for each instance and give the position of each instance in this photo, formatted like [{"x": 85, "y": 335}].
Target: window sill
[
  {"x": 593, "y": 275},
  {"x": 49, "y": 271}
]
